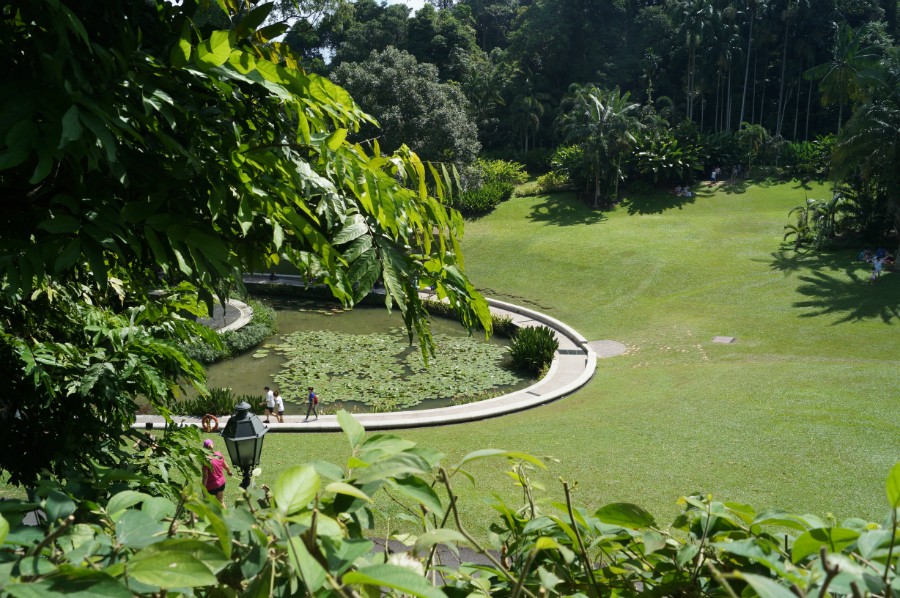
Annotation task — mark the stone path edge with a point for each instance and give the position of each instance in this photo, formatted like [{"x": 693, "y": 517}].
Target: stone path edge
[{"x": 567, "y": 373}]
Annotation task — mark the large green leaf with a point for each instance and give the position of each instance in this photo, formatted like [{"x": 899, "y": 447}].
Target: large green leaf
[
  {"x": 137, "y": 530},
  {"x": 79, "y": 583},
  {"x": 447, "y": 537},
  {"x": 347, "y": 489},
  {"x": 171, "y": 569},
  {"x": 216, "y": 50},
  {"x": 124, "y": 500},
  {"x": 626, "y": 515},
  {"x": 352, "y": 428},
  {"x": 392, "y": 576},
  {"x": 834, "y": 539},
  {"x": 392, "y": 467},
  {"x": 765, "y": 587},
  {"x": 893, "y": 486},
  {"x": 419, "y": 490},
  {"x": 314, "y": 576},
  {"x": 4, "y": 529},
  {"x": 486, "y": 453},
  {"x": 295, "y": 488}
]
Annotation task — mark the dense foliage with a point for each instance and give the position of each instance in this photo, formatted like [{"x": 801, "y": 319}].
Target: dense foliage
[
  {"x": 413, "y": 107},
  {"x": 758, "y": 79},
  {"x": 148, "y": 152},
  {"x": 218, "y": 401},
  {"x": 307, "y": 535},
  {"x": 234, "y": 342}
]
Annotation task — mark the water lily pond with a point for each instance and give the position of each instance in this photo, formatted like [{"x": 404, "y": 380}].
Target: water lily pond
[{"x": 361, "y": 360}]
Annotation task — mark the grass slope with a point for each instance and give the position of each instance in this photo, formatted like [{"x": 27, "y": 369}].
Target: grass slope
[{"x": 801, "y": 413}]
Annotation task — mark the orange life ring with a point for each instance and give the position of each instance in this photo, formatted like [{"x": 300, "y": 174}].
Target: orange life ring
[{"x": 210, "y": 423}]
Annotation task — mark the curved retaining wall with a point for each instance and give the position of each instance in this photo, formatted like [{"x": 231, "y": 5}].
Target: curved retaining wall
[{"x": 572, "y": 367}]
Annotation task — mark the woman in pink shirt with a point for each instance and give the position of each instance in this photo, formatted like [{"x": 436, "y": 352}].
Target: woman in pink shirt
[{"x": 214, "y": 473}]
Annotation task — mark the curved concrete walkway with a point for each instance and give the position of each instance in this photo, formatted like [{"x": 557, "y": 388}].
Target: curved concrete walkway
[{"x": 572, "y": 367}]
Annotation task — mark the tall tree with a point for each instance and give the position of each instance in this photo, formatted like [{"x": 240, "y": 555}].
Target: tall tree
[
  {"x": 412, "y": 106},
  {"x": 603, "y": 124},
  {"x": 841, "y": 80},
  {"x": 753, "y": 8}
]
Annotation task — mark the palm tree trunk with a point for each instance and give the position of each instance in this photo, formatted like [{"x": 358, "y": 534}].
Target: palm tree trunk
[
  {"x": 762, "y": 102},
  {"x": 753, "y": 93},
  {"x": 797, "y": 103},
  {"x": 808, "y": 103},
  {"x": 747, "y": 67},
  {"x": 780, "y": 116},
  {"x": 728, "y": 120},
  {"x": 840, "y": 115}
]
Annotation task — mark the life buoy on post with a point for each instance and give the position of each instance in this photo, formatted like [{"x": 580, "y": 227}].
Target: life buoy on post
[{"x": 210, "y": 423}]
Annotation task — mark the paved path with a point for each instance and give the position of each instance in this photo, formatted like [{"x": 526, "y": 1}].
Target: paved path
[{"x": 572, "y": 367}]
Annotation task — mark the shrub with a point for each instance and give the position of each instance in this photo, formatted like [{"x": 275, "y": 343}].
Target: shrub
[
  {"x": 553, "y": 182},
  {"x": 503, "y": 171},
  {"x": 484, "y": 199},
  {"x": 533, "y": 348},
  {"x": 219, "y": 401},
  {"x": 488, "y": 183}
]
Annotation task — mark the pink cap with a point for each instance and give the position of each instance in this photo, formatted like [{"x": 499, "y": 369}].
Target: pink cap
[{"x": 208, "y": 443}]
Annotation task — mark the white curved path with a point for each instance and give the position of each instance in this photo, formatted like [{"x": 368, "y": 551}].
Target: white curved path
[{"x": 572, "y": 367}]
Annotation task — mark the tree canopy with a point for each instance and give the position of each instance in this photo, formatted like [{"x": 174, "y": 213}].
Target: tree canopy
[
  {"x": 147, "y": 156},
  {"x": 412, "y": 105}
]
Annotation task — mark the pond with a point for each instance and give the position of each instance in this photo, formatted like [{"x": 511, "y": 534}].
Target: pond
[{"x": 361, "y": 360}]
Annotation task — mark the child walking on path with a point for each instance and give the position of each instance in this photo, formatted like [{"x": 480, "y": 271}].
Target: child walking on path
[
  {"x": 279, "y": 407},
  {"x": 312, "y": 400}
]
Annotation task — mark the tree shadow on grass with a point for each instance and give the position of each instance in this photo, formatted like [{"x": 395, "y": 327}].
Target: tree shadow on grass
[
  {"x": 848, "y": 296},
  {"x": 656, "y": 203},
  {"x": 564, "y": 209}
]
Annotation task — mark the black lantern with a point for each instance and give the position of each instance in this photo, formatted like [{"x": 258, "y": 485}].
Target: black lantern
[{"x": 243, "y": 436}]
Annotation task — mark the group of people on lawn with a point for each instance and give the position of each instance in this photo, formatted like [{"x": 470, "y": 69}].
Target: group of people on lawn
[{"x": 880, "y": 260}]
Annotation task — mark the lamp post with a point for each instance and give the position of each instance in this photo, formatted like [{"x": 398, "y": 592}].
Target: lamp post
[{"x": 243, "y": 436}]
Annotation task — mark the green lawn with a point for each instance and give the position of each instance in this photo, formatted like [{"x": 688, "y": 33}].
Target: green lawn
[{"x": 801, "y": 413}]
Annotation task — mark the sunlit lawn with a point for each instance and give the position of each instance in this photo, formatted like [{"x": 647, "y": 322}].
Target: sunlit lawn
[{"x": 802, "y": 412}]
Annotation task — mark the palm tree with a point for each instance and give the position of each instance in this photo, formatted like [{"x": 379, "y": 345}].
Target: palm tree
[
  {"x": 870, "y": 143},
  {"x": 842, "y": 79},
  {"x": 603, "y": 124},
  {"x": 754, "y": 6},
  {"x": 692, "y": 18}
]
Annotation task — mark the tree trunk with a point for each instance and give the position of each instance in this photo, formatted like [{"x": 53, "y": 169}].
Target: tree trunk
[
  {"x": 780, "y": 116},
  {"x": 840, "y": 115},
  {"x": 728, "y": 119},
  {"x": 808, "y": 103},
  {"x": 747, "y": 67},
  {"x": 753, "y": 93},
  {"x": 762, "y": 103},
  {"x": 797, "y": 103}
]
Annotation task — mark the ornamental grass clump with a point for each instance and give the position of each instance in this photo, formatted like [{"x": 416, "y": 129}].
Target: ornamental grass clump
[{"x": 532, "y": 349}]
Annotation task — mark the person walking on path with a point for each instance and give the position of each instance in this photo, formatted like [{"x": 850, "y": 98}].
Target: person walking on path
[
  {"x": 312, "y": 400},
  {"x": 269, "y": 403},
  {"x": 279, "y": 407},
  {"x": 213, "y": 472}
]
